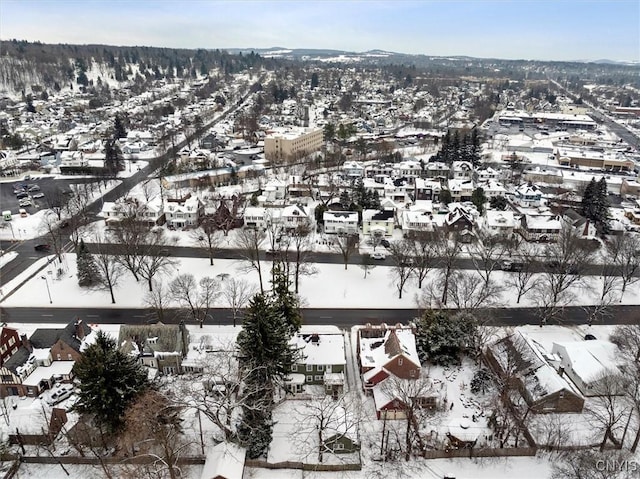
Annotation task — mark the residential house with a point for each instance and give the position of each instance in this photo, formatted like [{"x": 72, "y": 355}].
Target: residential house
[
  {"x": 341, "y": 432},
  {"x": 588, "y": 363},
  {"x": 436, "y": 169},
  {"x": 486, "y": 174},
  {"x": 157, "y": 346},
  {"x": 584, "y": 227},
  {"x": 426, "y": 189},
  {"x": 492, "y": 188},
  {"x": 353, "y": 169},
  {"x": 294, "y": 216},
  {"x": 64, "y": 344},
  {"x": 459, "y": 220},
  {"x": 183, "y": 212},
  {"x": 340, "y": 222},
  {"x": 389, "y": 406},
  {"x": 321, "y": 361},
  {"x": 544, "y": 228},
  {"x": 274, "y": 190},
  {"x": 528, "y": 196},
  {"x": 461, "y": 189},
  {"x": 385, "y": 351},
  {"x": 500, "y": 224},
  {"x": 255, "y": 217},
  {"x": 9, "y": 343},
  {"x": 378, "y": 223},
  {"x": 522, "y": 362},
  {"x": 462, "y": 170}
]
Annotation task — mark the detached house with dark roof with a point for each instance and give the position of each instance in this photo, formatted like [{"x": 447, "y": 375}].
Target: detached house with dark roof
[
  {"x": 158, "y": 346},
  {"x": 63, "y": 344}
]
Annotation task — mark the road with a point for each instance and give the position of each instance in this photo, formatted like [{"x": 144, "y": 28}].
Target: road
[{"x": 343, "y": 318}]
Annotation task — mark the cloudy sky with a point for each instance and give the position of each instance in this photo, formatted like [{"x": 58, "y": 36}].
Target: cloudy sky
[{"x": 512, "y": 29}]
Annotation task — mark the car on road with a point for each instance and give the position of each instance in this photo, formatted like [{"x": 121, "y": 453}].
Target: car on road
[
  {"x": 508, "y": 265},
  {"x": 37, "y": 196},
  {"x": 378, "y": 255},
  {"x": 42, "y": 247}
]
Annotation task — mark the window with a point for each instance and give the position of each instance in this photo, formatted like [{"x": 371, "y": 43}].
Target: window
[
  {"x": 320, "y": 367},
  {"x": 12, "y": 341},
  {"x": 319, "y": 377},
  {"x": 309, "y": 379},
  {"x": 294, "y": 368},
  {"x": 412, "y": 373},
  {"x": 399, "y": 361},
  {"x": 69, "y": 357},
  {"x": 309, "y": 368},
  {"x": 58, "y": 356},
  {"x": 338, "y": 446}
]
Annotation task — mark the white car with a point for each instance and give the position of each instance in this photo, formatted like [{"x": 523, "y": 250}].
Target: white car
[
  {"x": 38, "y": 195},
  {"x": 25, "y": 202},
  {"x": 378, "y": 255},
  {"x": 60, "y": 393}
]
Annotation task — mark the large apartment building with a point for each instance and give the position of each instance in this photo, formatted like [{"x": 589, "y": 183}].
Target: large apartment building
[{"x": 290, "y": 143}]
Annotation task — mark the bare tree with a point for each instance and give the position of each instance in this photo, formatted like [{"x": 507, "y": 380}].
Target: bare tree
[
  {"x": 366, "y": 264},
  {"x": 153, "y": 430},
  {"x": 49, "y": 228},
  {"x": 627, "y": 338},
  {"x": 155, "y": 258},
  {"x": 401, "y": 254},
  {"x": 467, "y": 293},
  {"x": 608, "y": 295},
  {"x": 609, "y": 409},
  {"x": 624, "y": 251},
  {"x": 111, "y": 270},
  {"x": 156, "y": 299},
  {"x": 237, "y": 293},
  {"x": 249, "y": 241},
  {"x": 325, "y": 420},
  {"x": 419, "y": 398},
  {"x": 564, "y": 269},
  {"x": 423, "y": 253},
  {"x": 583, "y": 464},
  {"x": 448, "y": 252},
  {"x": 486, "y": 254},
  {"x": 300, "y": 239},
  {"x": 130, "y": 236},
  {"x": 198, "y": 298},
  {"x": 346, "y": 244},
  {"x": 523, "y": 279},
  {"x": 207, "y": 235}
]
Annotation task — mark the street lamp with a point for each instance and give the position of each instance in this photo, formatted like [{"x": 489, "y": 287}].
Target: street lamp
[{"x": 48, "y": 291}]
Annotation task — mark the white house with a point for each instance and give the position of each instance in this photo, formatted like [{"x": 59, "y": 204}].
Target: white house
[
  {"x": 540, "y": 227},
  {"x": 493, "y": 188},
  {"x": 462, "y": 170},
  {"x": 378, "y": 223},
  {"x": 500, "y": 223},
  {"x": 353, "y": 169},
  {"x": 274, "y": 190},
  {"x": 254, "y": 217},
  {"x": 340, "y": 222},
  {"x": 184, "y": 213},
  {"x": 587, "y": 363},
  {"x": 425, "y": 189},
  {"x": 293, "y": 216},
  {"x": 461, "y": 189},
  {"x": 528, "y": 195}
]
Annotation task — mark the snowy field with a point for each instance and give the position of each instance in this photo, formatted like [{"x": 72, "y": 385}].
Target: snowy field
[{"x": 331, "y": 287}]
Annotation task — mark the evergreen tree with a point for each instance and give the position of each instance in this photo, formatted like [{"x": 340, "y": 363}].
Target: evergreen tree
[
  {"x": 88, "y": 273},
  {"x": 478, "y": 198},
  {"x": 267, "y": 358},
  {"x": 112, "y": 157},
  {"x": 119, "y": 130},
  {"x": 595, "y": 204},
  {"x": 441, "y": 339},
  {"x": 314, "y": 80},
  {"x": 589, "y": 200},
  {"x": 285, "y": 302},
  {"x": 498, "y": 203},
  {"x": 109, "y": 381}
]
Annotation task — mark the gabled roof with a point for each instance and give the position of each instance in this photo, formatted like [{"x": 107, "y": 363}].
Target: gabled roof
[
  {"x": 152, "y": 338},
  {"x": 376, "y": 352},
  {"x": 44, "y": 338},
  {"x": 17, "y": 359}
]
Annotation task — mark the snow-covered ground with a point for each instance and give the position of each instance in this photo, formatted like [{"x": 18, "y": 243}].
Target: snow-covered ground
[{"x": 331, "y": 287}]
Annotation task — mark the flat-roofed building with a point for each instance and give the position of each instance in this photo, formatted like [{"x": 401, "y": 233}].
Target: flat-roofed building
[{"x": 292, "y": 143}]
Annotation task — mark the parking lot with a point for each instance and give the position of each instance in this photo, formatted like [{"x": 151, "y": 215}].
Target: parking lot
[{"x": 40, "y": 192}]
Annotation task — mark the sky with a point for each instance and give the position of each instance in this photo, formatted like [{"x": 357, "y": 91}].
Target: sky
[{"x": 509, "y": 29}]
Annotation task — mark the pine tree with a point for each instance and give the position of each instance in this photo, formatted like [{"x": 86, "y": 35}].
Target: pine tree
[
  {"x": 602, "y": 207},
  {"x": 88, "y": 273},
  {"x": 285, "y": 302},
  {"x": 589, "y": 200},
  {"x": 109, "y": 381},
  {"x": 478, "y": 198},
  {"x": 119, "y": 130}
]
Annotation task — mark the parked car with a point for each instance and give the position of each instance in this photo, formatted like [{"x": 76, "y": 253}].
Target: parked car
[
  {"x": 60, "y": 393},
  {"x": 37, "y": 196},
  {"x": 25, "y": 202},
  {"x": 42, "y": 247},
  {"x": 22, "y": 194},
  {"x": 33, "y": 188},
  {"x": 378, "y": 255}
]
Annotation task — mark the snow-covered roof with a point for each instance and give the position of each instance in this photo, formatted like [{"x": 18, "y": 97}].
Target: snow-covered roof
[
  {"x": 56, "y": 368},
  {"x": 226, "y": 460},
  {"x": 590, "y": 360},
  {"x": 378, "y": 351},
  {"x": 320, "y": 348}
]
